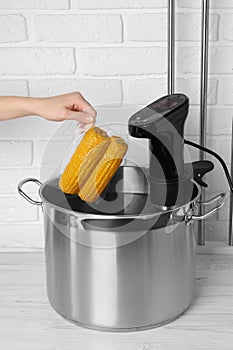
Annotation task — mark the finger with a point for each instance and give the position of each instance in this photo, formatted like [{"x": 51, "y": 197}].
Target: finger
[
  {"x": 80, "y": 117},
  {"x": 84, "y": 105}
]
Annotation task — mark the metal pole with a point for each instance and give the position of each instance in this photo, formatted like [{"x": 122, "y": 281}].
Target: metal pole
[
  {"x": 230, "y": 240},
  {"x": 171, "y": 47},
  {"x": 203, "y": 100}
]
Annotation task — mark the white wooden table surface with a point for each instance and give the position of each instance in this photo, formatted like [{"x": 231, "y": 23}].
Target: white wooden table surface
[{"x": 27, "y": 322}]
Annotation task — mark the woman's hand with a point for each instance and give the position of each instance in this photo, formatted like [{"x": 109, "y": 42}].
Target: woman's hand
[{"x": 66, "y": 107}]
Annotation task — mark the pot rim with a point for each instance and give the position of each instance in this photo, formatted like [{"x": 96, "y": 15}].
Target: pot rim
[{"x": 115, "y": 216}]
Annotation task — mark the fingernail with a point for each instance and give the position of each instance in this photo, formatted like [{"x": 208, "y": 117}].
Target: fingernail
[{"x": 89, "y": 119}]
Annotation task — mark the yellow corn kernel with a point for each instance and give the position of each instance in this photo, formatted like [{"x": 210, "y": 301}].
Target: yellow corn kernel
[
  {"x": 104, "y": 170},
  {"x": 88, "y": 153}
]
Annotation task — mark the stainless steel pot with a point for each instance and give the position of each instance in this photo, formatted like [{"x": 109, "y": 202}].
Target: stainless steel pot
[{"x": 121, "y": 264}]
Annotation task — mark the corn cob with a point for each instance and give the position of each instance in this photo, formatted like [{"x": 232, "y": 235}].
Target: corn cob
[
  {"x": 104, "y": 170},
  {"x": 88, "y": 153}
]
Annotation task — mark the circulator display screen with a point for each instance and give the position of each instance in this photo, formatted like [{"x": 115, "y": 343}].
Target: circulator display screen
[
  {"x": 163, "y": 107},
  {"x": 165, "y": 104}
]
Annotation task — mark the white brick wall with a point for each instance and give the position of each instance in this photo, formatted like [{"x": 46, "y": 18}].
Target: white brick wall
[
  {"x": 120, "y": 4},
  {"x": 15, "y": 153},
  {"x": 13, "y": 87},
  {"x": 143, "y": 90},
  {"x": 152, "y": 27},
  {"x": 15, "y": 209},
  {"x": 227, "y": 27},
  {"x": 146, "y": 27},
  {"x": 112, "y": 51},
  {"x": 216, "y": 4},
  {"x": 98, "y": 91},
  {"x": 34, "y": 4},
  {"x": 79, "y": 28},
  {"x": 36, "y": 61},
  {"x": 13, "y": 28},
  {"x": 121, "y": 61}
]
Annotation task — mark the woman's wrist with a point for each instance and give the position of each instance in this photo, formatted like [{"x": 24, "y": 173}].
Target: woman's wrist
[
  {"x": 12, "y": 107},
  {"x": 30, "y": 106}
]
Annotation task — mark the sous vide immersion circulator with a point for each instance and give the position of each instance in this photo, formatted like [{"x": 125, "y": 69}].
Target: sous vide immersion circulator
[{"x": 162, "y": 122}]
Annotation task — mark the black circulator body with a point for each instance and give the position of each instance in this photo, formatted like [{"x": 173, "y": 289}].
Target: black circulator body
[{"x": 162, "y": 122}]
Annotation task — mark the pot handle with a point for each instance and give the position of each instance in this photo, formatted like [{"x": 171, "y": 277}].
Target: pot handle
[
  {"x": 24, "y": 195},
  {"x": 220, "y": 198},
  {"x": 82, "y": 217}
]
